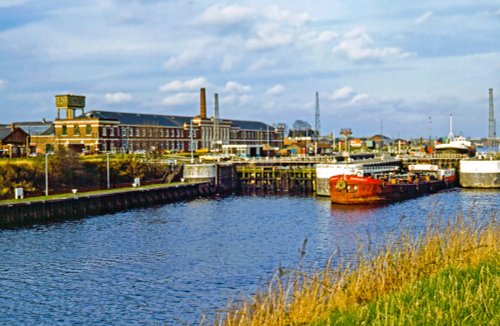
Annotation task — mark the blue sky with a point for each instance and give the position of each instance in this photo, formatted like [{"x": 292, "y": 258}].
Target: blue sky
[{"x": 376, "y": 64}]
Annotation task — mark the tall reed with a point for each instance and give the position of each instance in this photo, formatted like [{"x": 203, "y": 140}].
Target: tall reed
[{"x": 297, "y": 297}]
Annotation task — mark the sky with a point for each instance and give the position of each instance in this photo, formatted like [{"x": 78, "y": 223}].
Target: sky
[{"x": 396, "y": 67}]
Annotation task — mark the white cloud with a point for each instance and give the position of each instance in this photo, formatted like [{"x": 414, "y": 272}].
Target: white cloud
[
  {"x": 3, "y": 83},
  {"x": 342, "y": 93},
  {"x": 347, "y": 96},
  {"x": 278, "y": 28},
  {"x": 178, "y": 85},
  {"x": 327, "y": 36},
  {"x": 357, "y": 45},
  {"x": 183, "y": 60},
  {"x": 118, "y": 97},
  {"x": 220, "y": 15},
  {"x": 11, "y": 3},
  {"x": 269, "y": 37},
  {"x": 358, "y": 98},
  {"x": 234, "y": 87},
  {"x": 260, "y": 64},
  {"x": 425, "y": 17},
  {"x": 236, "y": 100},
  {"x": 180, "y": 99},
  {"x": 276, "y": 90},
  {"x": 297, "y": 20}
]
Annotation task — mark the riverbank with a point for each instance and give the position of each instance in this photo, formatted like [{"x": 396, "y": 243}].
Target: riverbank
[
  {"x": 69, "y": 206},
  {"x": 446, "y": 275}
]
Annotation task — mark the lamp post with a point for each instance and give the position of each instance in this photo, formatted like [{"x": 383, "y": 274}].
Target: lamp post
[
  {"x": 191, "y": 139},
  {"x": 46, "y": 174},
  {"x": 107, "y": 170}
]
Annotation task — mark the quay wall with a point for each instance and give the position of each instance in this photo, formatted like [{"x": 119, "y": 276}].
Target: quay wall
[
  {"x": 480, "y": 173},
  {"x": 79, "y": 206}
]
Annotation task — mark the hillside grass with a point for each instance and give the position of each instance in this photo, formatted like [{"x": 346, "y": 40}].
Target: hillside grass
[{"x": 448, "y": 274}]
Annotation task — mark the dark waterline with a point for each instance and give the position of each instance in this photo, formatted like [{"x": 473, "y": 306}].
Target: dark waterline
[{"x": 177, "y": 262}]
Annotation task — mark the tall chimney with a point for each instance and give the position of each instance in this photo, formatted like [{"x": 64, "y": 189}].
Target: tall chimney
[{"x": 203, "y": 104}]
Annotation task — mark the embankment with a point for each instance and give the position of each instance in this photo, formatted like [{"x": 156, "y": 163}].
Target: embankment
[{"x": 79, "y": 206}]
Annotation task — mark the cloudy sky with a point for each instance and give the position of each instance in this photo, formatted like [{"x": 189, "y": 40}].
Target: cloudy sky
[{"x": 398, "y": 66}]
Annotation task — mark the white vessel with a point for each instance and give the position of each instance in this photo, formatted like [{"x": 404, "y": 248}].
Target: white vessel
[{"x": 458, "y": 145}]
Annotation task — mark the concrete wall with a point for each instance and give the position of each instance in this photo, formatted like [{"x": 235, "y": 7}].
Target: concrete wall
[
  {"x": 82, "y": 206},
  {"x": 480, "y": 173}
]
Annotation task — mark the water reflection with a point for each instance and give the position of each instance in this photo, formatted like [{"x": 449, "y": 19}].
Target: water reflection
[{"x": 175, "y": 262}]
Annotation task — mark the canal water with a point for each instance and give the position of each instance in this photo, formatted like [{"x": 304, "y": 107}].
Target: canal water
[{"x": 175, "y": 263}]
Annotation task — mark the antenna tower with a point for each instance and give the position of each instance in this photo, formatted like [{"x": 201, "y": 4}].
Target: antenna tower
[
  {"x": 318, "y": 122},
  {"x": 216, "y": 137},
  {"x": 492, "y": 133}
]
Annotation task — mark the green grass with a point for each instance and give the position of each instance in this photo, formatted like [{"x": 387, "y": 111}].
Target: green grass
[{"x": 468, "y": 296}]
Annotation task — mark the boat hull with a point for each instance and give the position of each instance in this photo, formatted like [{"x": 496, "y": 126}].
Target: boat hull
[{"x": 353, "y": 190}]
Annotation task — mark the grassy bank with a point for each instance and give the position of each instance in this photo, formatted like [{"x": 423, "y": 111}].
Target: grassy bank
[
  {"x": 448, "y": 274},
  {"x": 453, "y": 296}
]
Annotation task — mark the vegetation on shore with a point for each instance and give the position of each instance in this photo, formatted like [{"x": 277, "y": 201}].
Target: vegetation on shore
[
  {"x": 68, "y": 170},
  {"x": 448, "y": 274}
]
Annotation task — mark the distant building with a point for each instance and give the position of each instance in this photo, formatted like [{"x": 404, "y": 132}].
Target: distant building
[
  {"x": 13, "y": 141},
  {"x": 97, "y": 131}
]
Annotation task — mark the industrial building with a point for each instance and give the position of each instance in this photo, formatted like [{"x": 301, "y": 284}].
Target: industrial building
[{"x": 103, "y": 131}]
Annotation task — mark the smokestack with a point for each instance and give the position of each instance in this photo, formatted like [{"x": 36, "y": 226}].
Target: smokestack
[{"x": 203, "y": 104}]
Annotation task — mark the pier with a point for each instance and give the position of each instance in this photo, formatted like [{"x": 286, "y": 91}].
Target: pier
[{"x": 299, "y": 174}]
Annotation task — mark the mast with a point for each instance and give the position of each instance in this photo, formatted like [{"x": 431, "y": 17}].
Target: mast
[
  {"x": 318, "y": 122},
  {"x": 492, "y": 134},
  {"x": 450, "y": 135}
]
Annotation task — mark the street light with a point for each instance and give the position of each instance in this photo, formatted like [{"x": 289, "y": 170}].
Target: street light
[
  {"x": 107, "y": 170},
  {"x": 191, "y": 139},
  {"x": 47, "y": 174}
]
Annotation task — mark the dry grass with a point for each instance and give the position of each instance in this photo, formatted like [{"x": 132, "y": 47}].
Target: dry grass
[{"x": 297, "y": 298}]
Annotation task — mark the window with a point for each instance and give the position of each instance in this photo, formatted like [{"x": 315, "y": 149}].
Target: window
[
  {"x": 143, "y": 132},
  {"x": 150, "y": 133},
  {"x": 137, "y": 134},
  {"x": 104, "y": 132},
  {"x": 131, "y": 132},
  {"x": 64, "y": 130},
  {"x": 112, "y": 131},
  {"x": 161, "y": 132},
  {"x": 88, "y": 130},
  {"x": 76, "y": 130}
]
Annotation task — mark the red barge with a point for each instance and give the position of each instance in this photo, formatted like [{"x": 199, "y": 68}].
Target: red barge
[{"x": 364, "y": 188}]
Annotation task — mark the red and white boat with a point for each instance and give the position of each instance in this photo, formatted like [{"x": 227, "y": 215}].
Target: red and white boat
[{"x": 421, "y": 179}]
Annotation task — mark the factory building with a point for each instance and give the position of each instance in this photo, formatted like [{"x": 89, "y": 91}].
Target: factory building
[{"x": 102, "y": 131}]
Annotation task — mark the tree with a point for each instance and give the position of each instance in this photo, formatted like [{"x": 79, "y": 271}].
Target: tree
[{"x": 301, "y": 125}]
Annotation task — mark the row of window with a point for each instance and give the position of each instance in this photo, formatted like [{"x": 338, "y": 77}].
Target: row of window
[
  {"x": 76, "y": 130},
  {"x": 128, "y": 131},
  {"x": 142, "y": 132},
  {"x": 157, "y": 132},
  {"x": 135, "y": 146}
]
